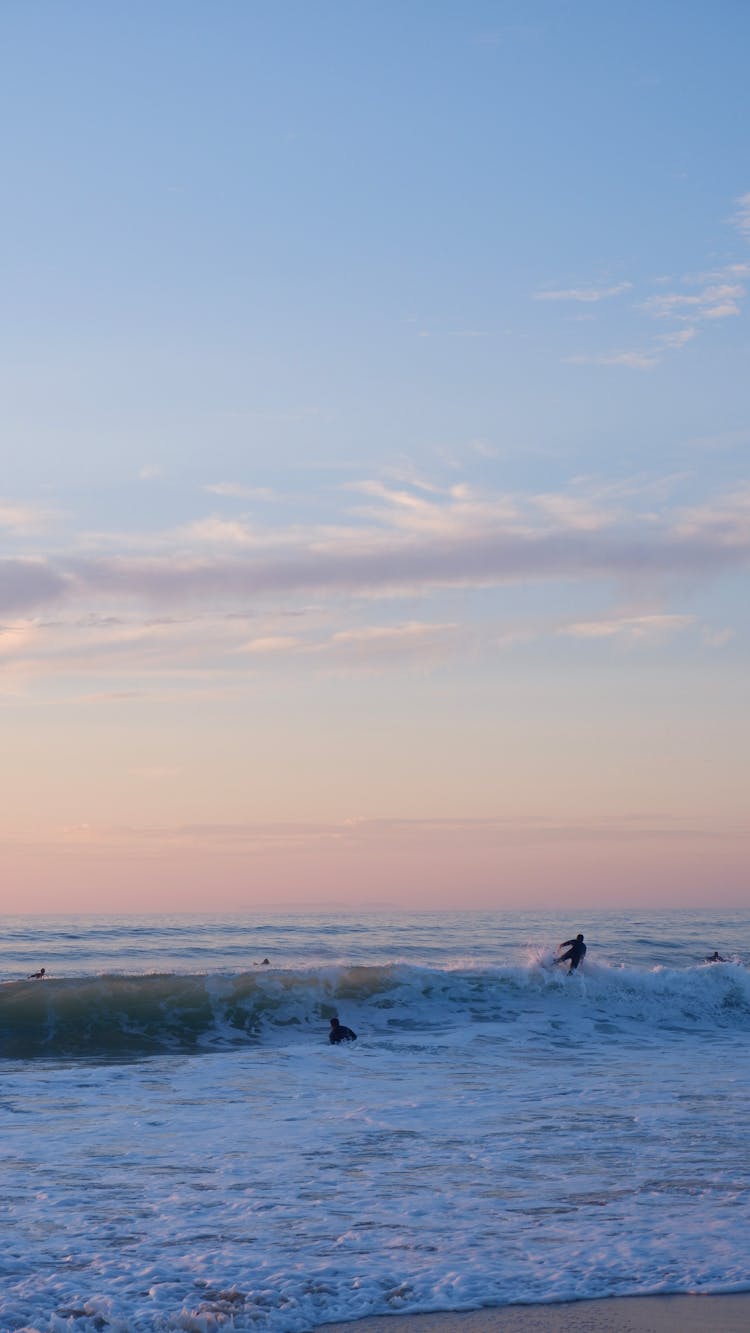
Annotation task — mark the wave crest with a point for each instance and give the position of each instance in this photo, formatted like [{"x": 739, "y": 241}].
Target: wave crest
[{"x": 114, "y": 1015}]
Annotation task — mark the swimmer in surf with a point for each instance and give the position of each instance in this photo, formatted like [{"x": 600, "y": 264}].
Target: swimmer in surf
[
  {"x": 575, "y": 953},
  {"x": 715, "y": 957},
  {"x": 340, "y": 1033},
  {"x": 38, "y": 976}
]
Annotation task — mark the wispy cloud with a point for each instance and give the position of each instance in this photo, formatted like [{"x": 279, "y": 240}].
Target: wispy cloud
[
  {"x": 621, "y": 826},
  {"x": 678, "y": 338},
  {"x": 20, "y": 519},
  {"x": 415, "y": 643},
  {"x": 586, "y": 295},
  {"x": 218, "y": 531},
  {"x": 633, "y": 359},
  {"x": 741, "y": 217},
  {"x": 237, "y": 490},
  {"x": 405, "y": 540},
  {"x": 723, "y": 520},
  {"x": 690, "y": 304},
  {"x": 306, "y": 593},
  {"x": 686, "y": 309},
  {"x": 580, "y": 512},
  {"x": 717, "y": 638},
  {"x": 715, "y": 301},
  {"x": 369, "y": 645},
  {"x": 478, "y": 541},
  {"x": 267, "y": 645},
  {"x": 15, "y": 638},
  {"x": 632, "y": 627}
]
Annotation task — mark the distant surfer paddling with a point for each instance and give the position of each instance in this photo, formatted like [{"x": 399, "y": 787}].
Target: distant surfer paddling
[
  {"x": 576, "y": 952},
  {"x": 340, "y": 1033},
  {"x": 715, "y": 957},
  {"x": 38, "y": 976}
]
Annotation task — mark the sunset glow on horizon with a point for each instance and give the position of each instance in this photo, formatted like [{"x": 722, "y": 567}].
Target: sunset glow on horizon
[{"x": 375, "y": 500}]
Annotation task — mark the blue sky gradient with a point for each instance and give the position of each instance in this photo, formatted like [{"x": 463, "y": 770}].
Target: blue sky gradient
[{"x": 375, "y": 410}]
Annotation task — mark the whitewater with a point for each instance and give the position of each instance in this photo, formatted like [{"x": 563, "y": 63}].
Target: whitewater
[{"x": 181, "y": 1148}]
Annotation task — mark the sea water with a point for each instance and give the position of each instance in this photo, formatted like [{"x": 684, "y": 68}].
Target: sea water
[{"x": 182, "y": 1148}]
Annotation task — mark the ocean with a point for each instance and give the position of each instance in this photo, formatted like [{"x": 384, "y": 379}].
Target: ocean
[{"x": 182, "y": 1148}]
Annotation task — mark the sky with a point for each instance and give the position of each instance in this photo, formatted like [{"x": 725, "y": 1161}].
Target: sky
[{"x": 375, "y": 490}]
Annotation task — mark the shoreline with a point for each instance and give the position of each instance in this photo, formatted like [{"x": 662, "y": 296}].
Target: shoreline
[{"x": 692, "y": 1313}]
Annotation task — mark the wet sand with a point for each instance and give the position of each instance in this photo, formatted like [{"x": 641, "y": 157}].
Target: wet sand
[{"x": 629, "y": 1314}]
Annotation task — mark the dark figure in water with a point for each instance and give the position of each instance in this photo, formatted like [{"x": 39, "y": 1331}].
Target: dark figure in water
[
  {"x": 38, "y": 976},
  {"x": 575, "y": 953},
  {"x": 340, "y": 1033},
  {"x": 715, "y": 957}
]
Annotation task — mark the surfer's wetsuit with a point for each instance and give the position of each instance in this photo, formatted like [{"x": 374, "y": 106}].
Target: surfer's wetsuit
[
  {"x": 575, "y": 953},
  {"x": 340, "y": 1033}
]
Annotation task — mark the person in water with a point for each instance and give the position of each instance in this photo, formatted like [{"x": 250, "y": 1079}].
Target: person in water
[
  {"x": 38, "y": 976},
  {"x": 340, "y": 1033},
  {"x": 576, "y": 952},
  {"x": 715, "y": 957}
]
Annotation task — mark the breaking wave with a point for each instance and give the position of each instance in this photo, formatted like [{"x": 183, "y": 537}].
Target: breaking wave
[{"x": 124, "y": 1015}]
